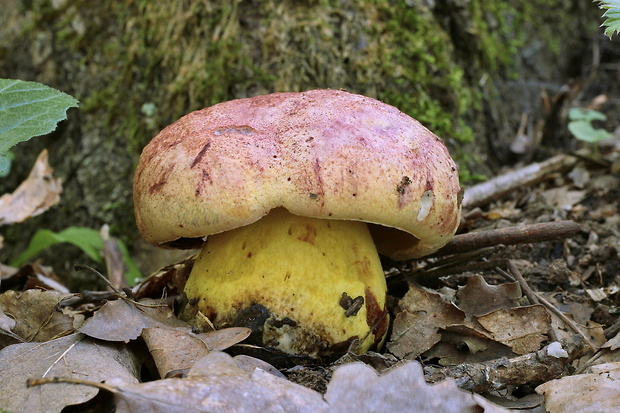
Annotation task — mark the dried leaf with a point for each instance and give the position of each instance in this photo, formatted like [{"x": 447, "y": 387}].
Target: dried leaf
[
  {"x": 222, "y": 339},
  {"x": 466, "y": 344},
  {"x": 613, "y": 343},
  {"x": 120, "y": 320},
  {"x": 113, "y": 257},
  {"x": 596, "y": 392},
  {"x": 6, "y": 323},
  {"x": 416, "y": 327},
  {"x": 71, "y": 356},
  {"x": 7, "y": 337},
  {"x": 170, "y": 279},
  {"x": 249, "y": 364},
  {"x": 35, "y": 195},
  {"x": 216, "y": 383},
  {"x": 36, "y": 314},
  {"x": 477, "y": 297},
  {"x": 566, "y": 303},
  {"x": 171, "y": 342},
  {"x": 563, "y": 198},
  {"x": 173, "y": 350},
  {"x": 523, "y": 329},
  {"x": 31, "y": 276},
  {"x": 358, "y": 388}
]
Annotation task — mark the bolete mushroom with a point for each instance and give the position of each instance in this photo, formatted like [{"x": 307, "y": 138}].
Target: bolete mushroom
[{"x": 292, "y": 195}]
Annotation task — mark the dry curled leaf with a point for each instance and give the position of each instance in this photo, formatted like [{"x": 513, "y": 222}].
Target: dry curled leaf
[
  {"x": 523, "y": 329},
  {"x": 217, "y": 383},
  {"x": 464, "y": 344},
  {"x": 222, "y": 339},
  {"x": 596, "y": 392},
  {"x": 35, "y": 195},
  {"x": 356, "y": 387},
  {"x": 170, "y": 280},
  {"x": 431, "y": 324},
  {"x": 121, "y": 320},
  {"x": 70, "y": 356},
  {"x": 416, "y": 326},
  {"x": 173, "y": 350},
  {"x": 6, "y": 323},
  {"x": 36, "y": 314},
  {"x": 7, "y": 337},
  {"x": 477, "y": 297}
]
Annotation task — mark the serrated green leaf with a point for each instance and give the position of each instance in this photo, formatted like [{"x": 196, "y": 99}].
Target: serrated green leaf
[
  {"x": 28, "y": 109},
  {"x": 612, "y": 16},
  {"x": 584, "y": 131},
  {"x": 87, "y": 239}
]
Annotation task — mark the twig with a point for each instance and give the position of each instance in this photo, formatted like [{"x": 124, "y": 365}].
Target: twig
[
  {"x": 532, "y": 296},
  {"x": 546, "y": 231},
  {"x": 429, "y": 275},
  {"x": 116, "y": 292},
  {"x": 567, "y": 321},
  {"x": 501, "y": 185},
  {"x": 81, "y": 267},
  {"x": 431, "y": 278},
  {"x": 537, "y": 367},
  {"x": 70, "y": 380}
]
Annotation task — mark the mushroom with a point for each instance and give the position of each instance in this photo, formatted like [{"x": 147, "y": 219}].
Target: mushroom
[{"x": 290, "y": 196}]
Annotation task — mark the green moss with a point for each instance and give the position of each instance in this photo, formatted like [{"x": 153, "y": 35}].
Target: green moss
[{"x": 419, "y": 71}]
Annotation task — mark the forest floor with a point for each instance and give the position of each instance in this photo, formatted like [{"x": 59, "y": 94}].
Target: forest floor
[{"x": 529, "y": 321}]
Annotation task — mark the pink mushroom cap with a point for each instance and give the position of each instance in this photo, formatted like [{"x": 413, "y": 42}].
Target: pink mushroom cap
[{"x": 325, "y": 154}]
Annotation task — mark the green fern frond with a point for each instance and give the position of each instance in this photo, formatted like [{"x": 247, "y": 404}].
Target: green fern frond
[{"x": 612, "y": 16}]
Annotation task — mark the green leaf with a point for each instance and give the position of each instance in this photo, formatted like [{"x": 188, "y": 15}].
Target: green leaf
[
  {"x": 612, "y": 16},
  {"x": 87, "y": 239},
  {"x": 585, "y": 114},
  {"x": 28, "y": 109},
  {"x": 584, "y": 131},
  {"x": 5, "y": 166}
]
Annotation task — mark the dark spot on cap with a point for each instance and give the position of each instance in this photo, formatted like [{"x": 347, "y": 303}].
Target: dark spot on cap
[
  {"x": 200, "y": 154},
  {"x": 156, "y": 187},
  {"x": 404, "y": 182}
]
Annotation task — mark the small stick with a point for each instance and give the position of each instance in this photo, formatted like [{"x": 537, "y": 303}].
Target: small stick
[
  {"x": 567, "y": 321},
  {"x": 501, "y": 185},
  {"x": 70, "y": 380},
  {"x": 82, "y": 267},
  {"x": 431, "y": 278},
  {"x": 532, "y": 296},
  {"x": 494, "y": 375},
  {"x": 546, "y": 231},
  {"x": 118, "y": 293}
]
